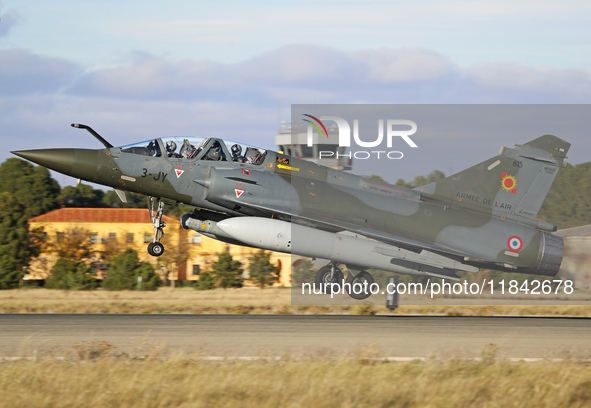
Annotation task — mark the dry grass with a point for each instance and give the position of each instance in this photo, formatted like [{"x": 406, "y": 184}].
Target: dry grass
[
  {"x": 95, "y": 375},
  {"x": 238, "y": 301},
  {"x": 165, "y": 300}
]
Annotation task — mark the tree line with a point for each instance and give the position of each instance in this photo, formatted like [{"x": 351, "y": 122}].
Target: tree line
[
  {"x": 126, "y": 272},
  {"x": 229, "y": 273}
]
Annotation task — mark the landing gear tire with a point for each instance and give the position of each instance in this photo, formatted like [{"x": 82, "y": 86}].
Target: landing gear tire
[
  {"x": 155, "y": 248},
  {"x": 325, "y": 277},
  {"x": 364, "y": 279}
]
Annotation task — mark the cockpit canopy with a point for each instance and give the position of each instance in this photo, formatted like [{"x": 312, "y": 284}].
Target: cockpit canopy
[{"x": 198, "y": 148}]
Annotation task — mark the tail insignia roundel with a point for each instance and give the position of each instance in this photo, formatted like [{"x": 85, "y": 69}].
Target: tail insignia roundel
[
  {"x": 515, "y": 243},
  {"x": 508, "y": 183}
]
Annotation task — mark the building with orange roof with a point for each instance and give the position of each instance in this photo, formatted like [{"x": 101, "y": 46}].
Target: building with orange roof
[{"x": 109, "y": 230}]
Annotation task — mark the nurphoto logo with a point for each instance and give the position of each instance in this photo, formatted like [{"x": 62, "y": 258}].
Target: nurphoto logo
[{"x": 401, "y": 128}]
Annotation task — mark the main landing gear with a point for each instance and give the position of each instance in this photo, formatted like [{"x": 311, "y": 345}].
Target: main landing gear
[
  {"x": 155, "y": 248},
  {"x": 358, "y": 283}
]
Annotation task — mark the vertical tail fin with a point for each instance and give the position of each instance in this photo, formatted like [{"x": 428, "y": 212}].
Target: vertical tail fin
[{"x": 515, "y": 182}]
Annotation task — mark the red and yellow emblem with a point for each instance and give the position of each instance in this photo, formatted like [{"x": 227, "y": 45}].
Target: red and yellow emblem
[{"x": 508, "y": 183}]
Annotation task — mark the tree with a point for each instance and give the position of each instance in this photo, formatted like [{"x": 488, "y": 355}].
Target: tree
[
  {"x": 569, "y": 200},
  {"x": 134, "y": 200},
  {"x": 73, "y": 245},
  {"x": 227, "y": 271},
  {"x": 31, "y": 186},
  {"x": 206, "y": 281},
  {"x": 262, "y": 271},
  {"x": 25, "y": 192},
  {"x": 124, "y": 272},
  {"x": 71, "y": 271},
  {"x": 82, "y": 195},
  {"x": 178, "y": 210},
  {"x": 422, "y": 180},
  {"x": 13, "y": 235},
  {"x": 111, "y": 248},
  {"x": 176, "y": 255},
  {"x": 377, "y": 178},
  {"x": 65, "y": 274},
  {"x": 303, "y": 271}
]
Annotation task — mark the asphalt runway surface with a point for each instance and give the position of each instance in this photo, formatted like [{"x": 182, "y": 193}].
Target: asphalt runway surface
[{"x": 23, "y": 335}]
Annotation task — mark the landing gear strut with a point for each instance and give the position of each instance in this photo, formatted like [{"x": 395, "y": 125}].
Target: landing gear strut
[{"x": 155, "y": 248}]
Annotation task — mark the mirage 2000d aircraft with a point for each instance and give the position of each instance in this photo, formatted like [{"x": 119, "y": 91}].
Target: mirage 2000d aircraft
[{"x": 482, "y": 217}]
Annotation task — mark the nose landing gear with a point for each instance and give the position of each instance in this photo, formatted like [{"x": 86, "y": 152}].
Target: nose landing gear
[{"x": 155, "y": 248}]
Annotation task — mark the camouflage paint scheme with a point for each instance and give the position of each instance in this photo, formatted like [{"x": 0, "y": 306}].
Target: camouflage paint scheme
[{"x": 482, "y": 217}]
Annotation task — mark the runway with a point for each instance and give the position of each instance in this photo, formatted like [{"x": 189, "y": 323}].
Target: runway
[{"x": 300, "y": 335}]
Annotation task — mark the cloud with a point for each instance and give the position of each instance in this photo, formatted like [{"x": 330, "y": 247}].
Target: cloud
[
  {"x": 7, "y": 21},
  {"x": 22, "y": 73},
  {"x": 303, "y": 73},
  {"x": 386, "y": 66},
  {"x": 296, "y": 74},
  {"x": 299, "y": 65},
  {"x": 531, "y": 84},
  {"x": 153, "y": 96},
  {"x": 295, "y": 70},
  {"x": 150, "y": 77},
  {"x": 193, "y": 31}
]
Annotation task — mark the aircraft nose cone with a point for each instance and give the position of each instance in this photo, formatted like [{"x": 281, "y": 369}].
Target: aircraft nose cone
[{"x": 60, "y": 160}]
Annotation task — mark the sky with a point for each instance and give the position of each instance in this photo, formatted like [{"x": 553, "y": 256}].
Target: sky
[{"x": 135, "y": 70}]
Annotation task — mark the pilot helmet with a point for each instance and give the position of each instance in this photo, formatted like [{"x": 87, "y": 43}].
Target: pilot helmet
[
  {"x": 236, "y": 150},
  {"x": 170, "y": 146}
]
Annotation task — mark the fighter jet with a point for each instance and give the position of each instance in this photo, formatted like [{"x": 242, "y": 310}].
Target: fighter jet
[{"x": 482, "y": 217}]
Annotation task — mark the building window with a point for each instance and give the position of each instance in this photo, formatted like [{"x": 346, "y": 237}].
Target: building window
[
  {"x": 113, "y": 236},
  {"x": 147, "y": 237},
  {"x": 93, "y": 237},
  {"x": 197, "y": 238},
  {"x": 60, "y": 237},
  {"x": 196, "y": 270},
  {"x": 130, "y": 238}
]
